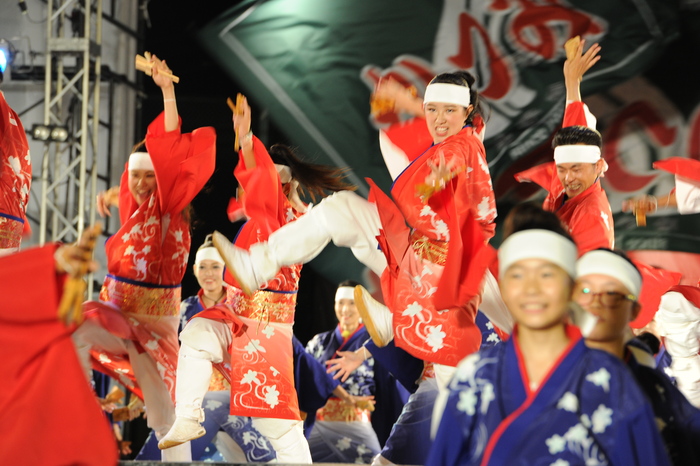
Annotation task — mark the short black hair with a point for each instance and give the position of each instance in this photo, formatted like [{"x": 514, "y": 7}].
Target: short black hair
[
  {"x": 571, "y": 135},
  {"x": 466, "y": 79},
  {"x": 530, "y": 216}
]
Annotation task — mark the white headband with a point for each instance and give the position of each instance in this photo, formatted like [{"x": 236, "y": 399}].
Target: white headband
[
  {"x": 537, "y": 244},
  {"x": 208, "y": 253},
  {"x": 448, "y": 94},
  {"x": 345, "y": 292},
  {"x": 140, "y": 161},
  {"x": 612, "y": 265},
  {"x": 576, "y": 153},
  {"x": 284, "y": 172}
]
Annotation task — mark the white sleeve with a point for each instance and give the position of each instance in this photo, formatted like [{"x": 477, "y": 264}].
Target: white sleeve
[
  {"x": 395, "y": 159},
  {"x": 687, "y": 195},
  {"x": 679, "y": 322}
]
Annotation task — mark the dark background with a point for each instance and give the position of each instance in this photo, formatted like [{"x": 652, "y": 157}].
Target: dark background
[{"x": 201, "y": 99}]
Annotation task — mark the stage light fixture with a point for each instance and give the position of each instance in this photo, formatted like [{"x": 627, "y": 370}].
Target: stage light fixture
[
  {"x": 49, "y": 133},
  {"x": 5, "y": 55}
]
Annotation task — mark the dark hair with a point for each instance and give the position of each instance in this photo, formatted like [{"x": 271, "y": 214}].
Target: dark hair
[
  {"x": 314, "y": 179},
  {"x": 351, "y": 283},
  {"x": 529, "y": 216},
  {"x": 139, "y": 146},
  {"x": 571, "y": 135},
  {"x": 622, "y": 254},
  {"x": 2, "y": 77},
  {"x": 465, "y": 79}
]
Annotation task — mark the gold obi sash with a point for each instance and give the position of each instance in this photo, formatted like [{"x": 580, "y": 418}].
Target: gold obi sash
[
  {"x": 10, "y": 231},
  {"x": 264, "y": 305},
  {"x": 136, "y": 297},
  {"x": 432, "y": 250},
  {"x": 337, "y": 410}
]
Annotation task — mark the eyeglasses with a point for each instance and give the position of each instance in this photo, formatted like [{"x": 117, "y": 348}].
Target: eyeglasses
[{"x": 584, "y": 296}]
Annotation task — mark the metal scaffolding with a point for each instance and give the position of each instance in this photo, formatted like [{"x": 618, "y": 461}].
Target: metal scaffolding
[{"x": 69, "y": 169}]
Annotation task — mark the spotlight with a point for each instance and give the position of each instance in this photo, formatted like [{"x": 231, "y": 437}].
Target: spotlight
[
  {"x": 49, "y": 133},
  {"x": 59, "y": 134},
  {"x": 6, "y": 55}
]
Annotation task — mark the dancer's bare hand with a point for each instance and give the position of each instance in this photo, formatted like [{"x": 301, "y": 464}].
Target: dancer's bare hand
[
  {"x": 345, "y": 365},
  {"x": 107, "y": 199}
]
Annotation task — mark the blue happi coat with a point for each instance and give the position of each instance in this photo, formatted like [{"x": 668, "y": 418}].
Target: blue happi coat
[{"x": 587, "y": 411}]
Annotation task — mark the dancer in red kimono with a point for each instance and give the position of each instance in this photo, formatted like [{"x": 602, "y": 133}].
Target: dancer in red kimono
[
  {"x": 454, "y": 213},
  {"x": 137, "y": 315},
  {"x": 572, "y": 181},
  {"x": 15, "y": 178},
  {"x": 251, "y": 335},
  {"x": 41, "y": 374}
]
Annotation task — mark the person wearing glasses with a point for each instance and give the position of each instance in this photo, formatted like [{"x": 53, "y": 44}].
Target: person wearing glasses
[{"x": 608, "y": 285}]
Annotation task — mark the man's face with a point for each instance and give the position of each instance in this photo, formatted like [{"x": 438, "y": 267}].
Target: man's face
[{"x": 577, "y": 177}]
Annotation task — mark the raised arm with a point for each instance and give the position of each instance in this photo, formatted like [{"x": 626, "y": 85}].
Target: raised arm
[
  {"x": 168, "y": 88},
  {"x": 575, "y": 66},
  {"x": 241, "y": 126}
]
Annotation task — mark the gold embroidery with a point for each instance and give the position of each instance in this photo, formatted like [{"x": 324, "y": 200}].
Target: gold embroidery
[
  {"x": 141, "y": 299},
  {"x": 10, "y": 233},
  {"x": 337, "y": 410},
  {"x": 264, "y": 306},
  {"x": 429, "y": 249}
]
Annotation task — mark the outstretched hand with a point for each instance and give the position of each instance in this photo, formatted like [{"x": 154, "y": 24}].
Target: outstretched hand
[
  {"x": 402, "y": 98},
  {"x": 576, "y": 66},
  {"x": 345, "y": 365},
  {"x": 241, "y": 123},
  {"x": 107, "y": 199},
  {"x": 76, "y": 259}
]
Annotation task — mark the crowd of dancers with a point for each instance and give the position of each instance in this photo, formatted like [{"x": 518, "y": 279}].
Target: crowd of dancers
[{"x": 468, "y": 355}]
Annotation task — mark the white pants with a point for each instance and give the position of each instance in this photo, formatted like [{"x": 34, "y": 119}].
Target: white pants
[
  {"x": 344, "y": 218},
  {"x": 159, "y": 406},
  {"x": 208, "y": 340}
]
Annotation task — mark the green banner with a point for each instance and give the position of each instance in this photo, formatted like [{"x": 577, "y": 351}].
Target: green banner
[{"x": 313, "y": 64}]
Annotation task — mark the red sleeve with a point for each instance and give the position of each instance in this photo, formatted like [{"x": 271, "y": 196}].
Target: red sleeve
[
  {"x": 41, "y": 372},
  {"x": 264, "y": 200},
  {"x": 183, "y": 162},
  {"x": 683, "y": 166},
  {"x": 20, "y": 274},
  {"x": 575, "y": 115},
  {"x": 412, "y": 137},
  {"x": 472, "y": 189}
]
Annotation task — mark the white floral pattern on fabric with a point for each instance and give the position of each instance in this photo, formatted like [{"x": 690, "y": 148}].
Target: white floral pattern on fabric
[
  {"x": 268, "y": 331},
  {"x": 560, "y": 462},
  {"x": 435, "y": 337},
  {"x": 271, "y": 395},
  {"x": 600, "y": 378},
  {"x": 601, "y": 419},
  {"x": 254, "y": 346},
  {"x": 343, "y": 444},
  {"x": 211, "y": 405},
  {"x": 568, "y": 402}
]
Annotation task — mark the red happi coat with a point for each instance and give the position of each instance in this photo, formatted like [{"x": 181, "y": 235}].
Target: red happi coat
[
  {"x": 48, "y": 414},
  {"x": 261, "y": 371},
  {"x": 147, "y": 257},
  {"x": 687, "y": 174},
  {"x": 15, "y": 177},
  {"x": 437, "y": 262},
  {"x": 587, "y": 216}
]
